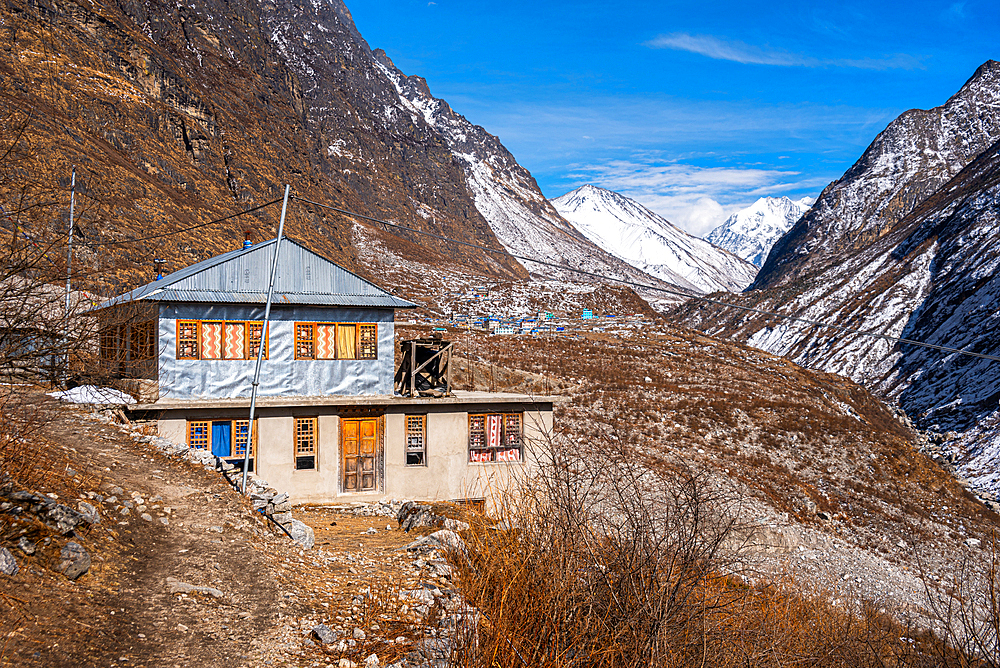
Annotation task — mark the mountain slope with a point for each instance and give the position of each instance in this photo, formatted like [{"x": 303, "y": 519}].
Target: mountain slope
[
  {"x": 751, "y": 232},
  {"x": 930, "y": 276},
  {"x": 504, "y": 192},
  {"x": 914, "y": 156},
  {"x": 175, "y": 115},
  {"x": 651, "y": 243}
]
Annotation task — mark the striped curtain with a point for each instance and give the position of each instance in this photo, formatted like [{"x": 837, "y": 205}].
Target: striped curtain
[
  {"x": 346, "y": 342},
  {"x": 493, "y": 431},
  {"x": 235, "y": 333},
  {"x": 211, "y": 340},
  {"x": 326, "y": 345}
]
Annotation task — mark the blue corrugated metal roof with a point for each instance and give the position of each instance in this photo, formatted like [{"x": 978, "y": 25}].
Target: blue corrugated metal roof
[{"x": 241, "y": 276}]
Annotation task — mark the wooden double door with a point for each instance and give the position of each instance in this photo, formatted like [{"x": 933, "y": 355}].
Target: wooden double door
[{"x": 359, "y": 452}]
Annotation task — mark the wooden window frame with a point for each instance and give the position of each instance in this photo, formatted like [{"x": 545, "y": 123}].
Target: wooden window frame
[
  {"x": 361, "y": 352},
  {"x": 248, "y": 326},
  {"x": 301, "y": 326},
  {"x": 237, "y": 454},
  {"x": 207, "y": 440},
  {"x": 233, "y": 445},
  {"x": 313, "y": 328},
  {"x": 297, "y": 454},
  {"x": 422, "y": 450},
  {"x": 197, "y": 339},
  {"x": 509, "y": 441}
]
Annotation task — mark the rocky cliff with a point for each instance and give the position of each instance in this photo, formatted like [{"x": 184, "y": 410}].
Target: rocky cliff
[
  {"x": 178, "y": 114},
  {"x": 904, "y": 245}
]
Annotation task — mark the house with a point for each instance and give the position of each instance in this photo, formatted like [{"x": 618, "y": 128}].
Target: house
[{"x": 329, "y": 425}]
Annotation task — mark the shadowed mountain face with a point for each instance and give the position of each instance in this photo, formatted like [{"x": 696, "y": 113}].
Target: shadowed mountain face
[
  {"x": 913, "y": 157},
  {"x": 177, "y": 114},
  {"x": 906, "y": 244}
]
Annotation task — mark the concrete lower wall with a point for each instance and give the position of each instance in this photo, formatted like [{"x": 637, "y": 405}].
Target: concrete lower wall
[{"x": 448, "y": 474}]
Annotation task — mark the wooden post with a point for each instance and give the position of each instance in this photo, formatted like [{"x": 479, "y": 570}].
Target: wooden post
[
  {"x": 451, "y": 348},
  {"x": 413, "y": 368}
]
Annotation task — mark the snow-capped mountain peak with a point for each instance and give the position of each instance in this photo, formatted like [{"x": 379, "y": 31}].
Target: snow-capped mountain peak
[
  {"x": 649, "y": 242},
  {"x": 751, "y": 232}
]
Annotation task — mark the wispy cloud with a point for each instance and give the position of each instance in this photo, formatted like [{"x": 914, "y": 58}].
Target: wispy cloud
[
  {"x": 741, "y": 52},
  {"x": 697, "y": 199}
]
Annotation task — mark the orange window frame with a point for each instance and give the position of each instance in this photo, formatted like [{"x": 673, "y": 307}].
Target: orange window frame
[
  {"x": 307, "y": 441},
  {"x": 196, "y": 339},
  {"x": 301, "y": 341},
  {"x": 365, "y": 340},
  {"x": 511, "y": 437},
  {"x": 199, "y": 434},
  {"x": 249, "y": 326}
]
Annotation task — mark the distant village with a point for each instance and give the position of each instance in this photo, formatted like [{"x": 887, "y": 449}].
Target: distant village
[{"x": 487, "y": 308}]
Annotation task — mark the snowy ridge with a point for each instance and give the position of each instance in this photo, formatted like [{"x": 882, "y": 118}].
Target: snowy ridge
[
  {"x": 505, "y": 193},
  {"x": 914, "y": 156},
  {"x": 906, "y": 244},
  {"x": 751, "y": 232},
  {"x": 651, "y": 243}
]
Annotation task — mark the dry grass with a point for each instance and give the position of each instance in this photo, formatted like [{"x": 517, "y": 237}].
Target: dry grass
[{"x": 602, "y": 562}]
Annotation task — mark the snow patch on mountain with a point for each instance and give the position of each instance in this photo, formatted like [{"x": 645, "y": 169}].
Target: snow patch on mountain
[
  {"x": 649, "y": 242},
  {"x": 505, "y": 193},
  {"x": 751, "y": 232}
]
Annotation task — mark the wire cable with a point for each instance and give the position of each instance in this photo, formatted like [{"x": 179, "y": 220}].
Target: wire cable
[
  {"x": 676, "y": 290},
  {"x": 186, "y": 229}
]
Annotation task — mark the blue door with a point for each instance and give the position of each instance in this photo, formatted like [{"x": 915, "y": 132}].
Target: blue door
[{"x": 222, "y": 438}]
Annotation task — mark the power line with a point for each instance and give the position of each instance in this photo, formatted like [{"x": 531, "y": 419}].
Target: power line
[
  {"x": 676, "y": 290},
  {"x": 187, "y": 229}
]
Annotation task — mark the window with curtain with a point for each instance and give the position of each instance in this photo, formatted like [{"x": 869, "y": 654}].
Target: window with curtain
[{"x": 335, "y": 341}]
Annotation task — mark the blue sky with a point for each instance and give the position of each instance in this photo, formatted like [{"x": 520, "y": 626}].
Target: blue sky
[{"x": 694, "y": 109}]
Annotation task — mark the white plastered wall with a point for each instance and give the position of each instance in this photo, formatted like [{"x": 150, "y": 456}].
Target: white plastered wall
[{"x": 447, "y": 475}]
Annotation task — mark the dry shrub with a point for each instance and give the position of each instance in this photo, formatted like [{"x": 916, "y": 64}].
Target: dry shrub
[
  {"x": 22, "y": 461},
  {"x": 967, "y": 612},
  {"x": 605, "y": 560}
]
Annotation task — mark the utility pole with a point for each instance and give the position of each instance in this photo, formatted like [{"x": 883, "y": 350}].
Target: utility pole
[
  {"x": 263, "y": 342},
  {"x": 69, "y": 245},
  {"x": 69, "y": 265}
]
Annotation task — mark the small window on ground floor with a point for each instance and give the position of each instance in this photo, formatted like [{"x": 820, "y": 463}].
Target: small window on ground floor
[
  {"x": 495, "y": 437},
  {"x": 306, "y": 442},
  {"x": 226, "y": 438},
  {"x": 416, "y": 440}
]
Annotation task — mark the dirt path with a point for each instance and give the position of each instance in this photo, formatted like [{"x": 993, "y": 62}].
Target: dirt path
[
  {"x": 190, "y": 526},
  {"x": 186, "y": 523}
]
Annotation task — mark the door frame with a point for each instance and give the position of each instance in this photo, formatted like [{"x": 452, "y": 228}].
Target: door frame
[{"x": 379, "y": 463}]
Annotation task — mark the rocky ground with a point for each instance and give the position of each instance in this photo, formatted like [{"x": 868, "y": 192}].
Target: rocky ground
[
  {"x": 183, "y": 572},
  {"x": 840, "y": 492},
  {"x": 833, "y": 487}
]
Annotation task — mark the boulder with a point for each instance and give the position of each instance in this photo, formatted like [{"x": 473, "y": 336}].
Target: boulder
[
  {"x": 302, "y": 534},
  {"x": 324, "y": 634},
  {"x": 89, "y": 512},
  {"x": 75, "y": 561},
  {"x": 8, "y": 565},
  {"x": 444, "y": 539},
  {"x": 412, "y": 515}
]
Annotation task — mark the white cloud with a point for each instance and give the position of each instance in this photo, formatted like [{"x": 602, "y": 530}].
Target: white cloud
[
  {"x": 741, "y": 52},
  {"x": 697, "y": 199}
]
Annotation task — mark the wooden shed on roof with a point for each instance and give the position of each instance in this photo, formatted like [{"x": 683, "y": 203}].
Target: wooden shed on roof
[{"x": 328, "y": 425}]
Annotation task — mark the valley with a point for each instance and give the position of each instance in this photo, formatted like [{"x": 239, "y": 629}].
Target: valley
[{"x": 718, "y": 487}]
